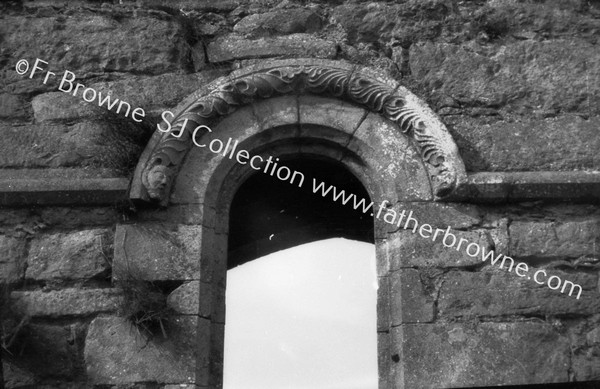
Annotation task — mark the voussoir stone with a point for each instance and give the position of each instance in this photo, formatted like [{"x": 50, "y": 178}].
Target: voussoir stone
[
  {"x": 66, "y": 302},
  {"x": 233, "y": 47},
  {"x": 77, "y": 255}
]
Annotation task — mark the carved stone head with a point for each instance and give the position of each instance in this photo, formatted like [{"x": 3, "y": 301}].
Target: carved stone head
[{"x": 157, "y": 180}]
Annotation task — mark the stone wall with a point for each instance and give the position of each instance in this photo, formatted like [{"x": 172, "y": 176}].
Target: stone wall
[{"x": 517, "y": 83}]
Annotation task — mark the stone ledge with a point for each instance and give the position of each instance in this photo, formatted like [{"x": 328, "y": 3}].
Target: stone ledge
[
  {"x": 491, "y": 187},
  {"x": 60, "y": 187},
  {"x": 46, "y": 187}
]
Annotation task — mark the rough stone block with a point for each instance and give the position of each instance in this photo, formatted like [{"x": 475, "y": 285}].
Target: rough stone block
[
  {"x": 12, "y": 106},
  {"x": 12, "y": 258},
  {"x": 566, "y": 142},
  {"x": 410, "y": 301},
  {"x": 93, "y": 43},
  {"x": 117, "y": 353},
  {"x": 68, "y": 256},
  {"x": 49, "y": 349},
  {"x": 186, "y": 300},
  {"x": 524, "y": 72},
  {"x": 555, "y": 240},
  {"x": 500, "y": 293},
  {"x": 153, "y": 251},
  {"x": 231, "y": 48},
  {"x": 70, "y": 217},
  {"x": 63, "y": 106},
  {"x": 283, "y": 21},
  {"x": 408, "y": 249},
  {"x": 16, "y": 377},
  {"x": 99, "y": 144},
  {"x": 204, "y": 5},
  {"x": 443, "y": 215},
  {"x": 461, "y": 355},
  {"x": 437, "y": 215},
  {"x": 66, "y": 302},
  {"x": 156, "y": 93}
]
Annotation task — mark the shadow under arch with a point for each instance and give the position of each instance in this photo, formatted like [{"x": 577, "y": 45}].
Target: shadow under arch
[{"x": 268, "y": 214}]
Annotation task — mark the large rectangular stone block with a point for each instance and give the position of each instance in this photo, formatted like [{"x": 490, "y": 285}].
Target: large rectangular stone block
[
  {"x": 118, "y": 353},
  {"x": 555, "y": 240},
  {"x": 69, "y": 256},
  {"x": 154, "y": 251},
  {"x": 500, "y": 293},
  {"x": 407, "y": 249},
  {"x": 485, "y": 354},
  {"x": 234, "y": 47}
]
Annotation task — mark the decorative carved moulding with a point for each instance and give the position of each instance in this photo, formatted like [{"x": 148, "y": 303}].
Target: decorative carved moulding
[{"x": 361, "y": 86}]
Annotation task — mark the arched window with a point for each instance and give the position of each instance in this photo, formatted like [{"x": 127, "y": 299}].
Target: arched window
[{"x": 304, "y": 316}]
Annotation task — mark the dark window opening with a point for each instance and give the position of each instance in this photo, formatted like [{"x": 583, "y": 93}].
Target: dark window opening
[{"x": 269, "y": 215}]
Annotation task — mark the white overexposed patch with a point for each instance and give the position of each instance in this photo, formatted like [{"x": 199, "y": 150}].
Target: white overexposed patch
[{"x": 303, "y": 318}]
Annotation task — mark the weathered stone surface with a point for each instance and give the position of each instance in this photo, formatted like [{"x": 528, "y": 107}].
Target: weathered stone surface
[
  {"x": 51, "y": 349},
  {"x": 12, "y": 106},
  {"x": 460, "y": 355},
  {"x": 87, "y": 44},
  {"x": 204, "y": 5},
  {"x": 377, "y": 22},
  {"x": 499, "y": 293},
  {"x": 68, "y": 256},
  {"x": 230, "y": 47},
  {"x": 555, "y": 240},
  {"x": 89, "y": 143},
  {"x": 69, "y": 217},
  {"x": 153, "y": 251},
  {"x": 66, "y": 302},
  {"x": 186, "y": 300},
  {"x": 283, "y": 21},
  {"x": 408, "y": 249},
  {"x": 566, "y": 142},
  {"x": 16, "y": 377},
  {"x": 117, "y": 353},
  {"x": 63, "y": 106},
  {"x": 410, "y": 301},
  {"x": 525, "y": 72},
  {"x": 585, "y": 341},
  {"x": 12, "y": 258},
  {"x": 443, "y": 215},
  {"x": 157, "y": 93}
]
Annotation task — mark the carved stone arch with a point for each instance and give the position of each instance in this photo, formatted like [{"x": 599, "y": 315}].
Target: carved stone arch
[
  {"x": 376, "y": 129},
  {"x": 352, "y": 83}
]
